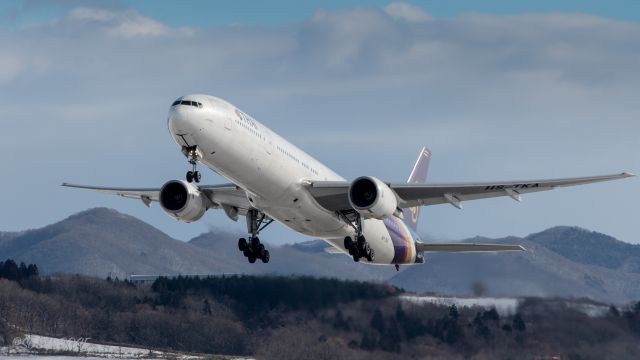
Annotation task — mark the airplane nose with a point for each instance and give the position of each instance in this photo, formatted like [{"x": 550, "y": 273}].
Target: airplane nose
[{"x": 178, "y": 122}]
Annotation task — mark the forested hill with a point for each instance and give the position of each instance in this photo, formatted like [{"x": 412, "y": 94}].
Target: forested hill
[{"x": 303, "y": 318}]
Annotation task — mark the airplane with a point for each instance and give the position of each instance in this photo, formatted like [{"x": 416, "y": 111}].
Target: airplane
[{"x": 273, "y": 180}]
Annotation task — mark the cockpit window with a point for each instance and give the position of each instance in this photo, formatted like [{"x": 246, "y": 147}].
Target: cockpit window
[{"x": 188, "y": 103}]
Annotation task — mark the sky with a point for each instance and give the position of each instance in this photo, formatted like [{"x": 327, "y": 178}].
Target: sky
[{"x": 497, "y": 90}]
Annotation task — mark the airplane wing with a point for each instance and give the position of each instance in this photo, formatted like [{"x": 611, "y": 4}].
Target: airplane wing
[
  {"x": 463, "y": 247},
  {"x": 333, "y": 195},
  {"x": 221, "y": 196}
]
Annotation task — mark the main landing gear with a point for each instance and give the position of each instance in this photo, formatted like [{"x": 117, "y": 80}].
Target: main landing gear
[
  {"x": 358, "y": 247},
  {"x": 252, "y": 248},
  {"x": 192, "y": 153}
]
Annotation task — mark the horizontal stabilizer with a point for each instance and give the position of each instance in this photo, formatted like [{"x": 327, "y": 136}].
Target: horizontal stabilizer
[
  {"x": 333, "y": 250},
  {"x": 462, "y": 247}
]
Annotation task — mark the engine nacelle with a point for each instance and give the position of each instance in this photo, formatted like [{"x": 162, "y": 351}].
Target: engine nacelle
[
  {"x": 372, "y": 198},
  {"x": 182, "y": 200}
]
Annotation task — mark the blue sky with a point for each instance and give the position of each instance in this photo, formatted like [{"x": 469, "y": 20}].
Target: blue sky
[
  {"x": 496, "y": 89},
  {"x": 207, "y": 13}
]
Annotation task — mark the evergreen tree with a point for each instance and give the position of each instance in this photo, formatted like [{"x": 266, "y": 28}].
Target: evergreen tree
[
  {"x": 9, "y": 270},
  {"x": 613, "y": 311},
  {"x": 206, "y": 307},
  {"x": 491, "y": 315},
  {"x": 32, "y": 270},
  {"x": 377, "y": 321},
  {"x": 453, "y": 312},
  {"x": 518, "y": 323}
]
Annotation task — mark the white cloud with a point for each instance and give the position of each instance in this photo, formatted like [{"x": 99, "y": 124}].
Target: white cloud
[
  {"x": 127, "y": 24},
  {"x": 135, "y": 26},
  {"x": 91, "y": 14},
  {"x": 406, "y": 12}
]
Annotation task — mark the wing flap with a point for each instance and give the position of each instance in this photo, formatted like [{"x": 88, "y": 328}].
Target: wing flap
[{"x": 463, "y": 247}]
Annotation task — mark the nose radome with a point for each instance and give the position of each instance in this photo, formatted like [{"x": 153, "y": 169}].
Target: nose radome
[{"x": 179, "y": 121}]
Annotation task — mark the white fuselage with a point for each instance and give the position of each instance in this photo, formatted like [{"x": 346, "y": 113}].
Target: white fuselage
[{"x": 271, "y": 170}]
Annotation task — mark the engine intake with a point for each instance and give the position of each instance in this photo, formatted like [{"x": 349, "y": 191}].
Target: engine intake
[
  {"x": 372, "y": 198},
  {"x": 182, "y": 200}
]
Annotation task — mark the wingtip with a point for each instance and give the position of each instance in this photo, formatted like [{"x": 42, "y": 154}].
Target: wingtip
[
  {"x": 522, "y": 248},
  {"x": 628, "y": 174}
]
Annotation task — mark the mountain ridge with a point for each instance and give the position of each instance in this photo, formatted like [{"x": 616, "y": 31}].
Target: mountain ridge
[{"x": 560, "y": 261}]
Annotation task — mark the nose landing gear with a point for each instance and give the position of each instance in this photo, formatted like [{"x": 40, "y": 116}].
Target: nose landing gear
[{"x": 194, "y": 156}]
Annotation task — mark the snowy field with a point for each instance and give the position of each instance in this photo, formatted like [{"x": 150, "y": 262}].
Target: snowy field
[
  {"x": 504, "y": 306},
  {"x": 42, "y": 357},
  {"x": 35, "y": 346}
]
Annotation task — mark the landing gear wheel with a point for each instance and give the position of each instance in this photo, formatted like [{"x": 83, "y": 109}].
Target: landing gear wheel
[
  {"x": 261, "y": 251},
  {"x": 362, "y": 244},
  {"x": 242, "y": 244},
  {"x": 255, "y": 244},
  {"x": 197, "y": 176},
  {"x": 371, "y": 255},
  {"x": 348, "y": 243},
  {"x": 356, "y": 258},
  {"x": 265, "y": 257},
  {"x": 252, "y": 258},
  {"x": 189, "y": 176}
]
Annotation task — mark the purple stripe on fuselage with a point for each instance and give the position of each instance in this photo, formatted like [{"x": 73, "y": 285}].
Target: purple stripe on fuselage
[{"x": 401, "y": 238}]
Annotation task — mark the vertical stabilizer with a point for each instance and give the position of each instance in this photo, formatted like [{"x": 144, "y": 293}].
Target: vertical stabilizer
[{"x": 418, "y": 176}]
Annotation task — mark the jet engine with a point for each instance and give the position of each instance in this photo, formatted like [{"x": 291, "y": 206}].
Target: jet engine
[
  {"x": 182, "y": 200},
  {"x": 372, "y": 198}
]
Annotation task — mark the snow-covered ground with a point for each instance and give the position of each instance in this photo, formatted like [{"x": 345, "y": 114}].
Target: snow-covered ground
[
  {"x": 504, "y": 306},
  {"x": 35, "y": 346},
  {"x": 41, "y": 357}
]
